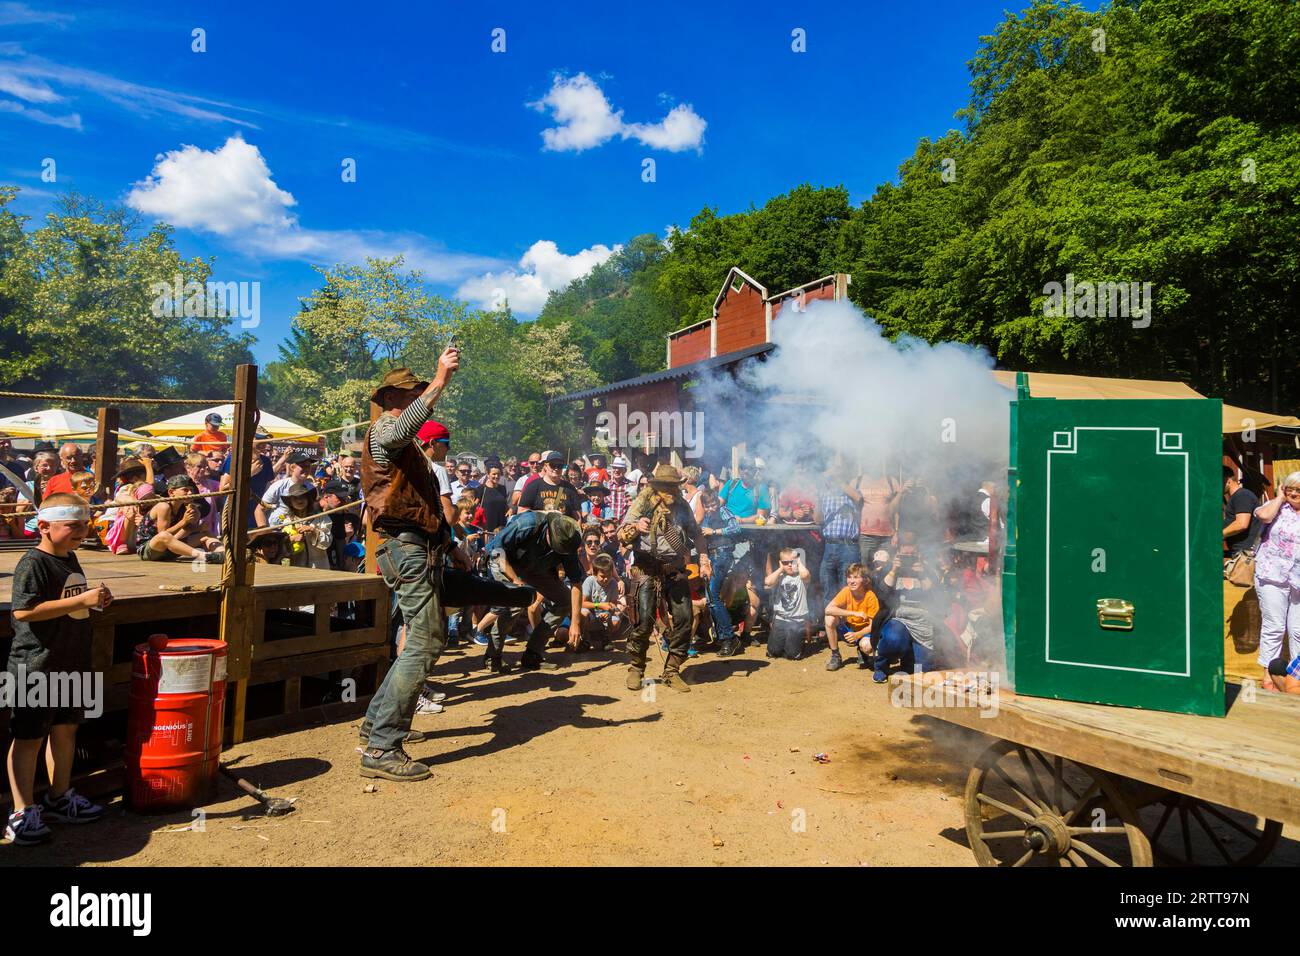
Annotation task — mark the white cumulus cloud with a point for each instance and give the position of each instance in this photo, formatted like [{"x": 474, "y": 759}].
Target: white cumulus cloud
[
  {"x": 541, "y": 269},
  {"x": 585, "y": 119},
  {"x": 229, "y": 191}
]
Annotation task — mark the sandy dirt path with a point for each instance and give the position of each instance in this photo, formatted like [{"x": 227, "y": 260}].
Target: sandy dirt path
[{"x": 572, "y": 768}]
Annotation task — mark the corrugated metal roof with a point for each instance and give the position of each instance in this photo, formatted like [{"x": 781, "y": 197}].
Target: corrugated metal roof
[{"x": 682, "y": 371}]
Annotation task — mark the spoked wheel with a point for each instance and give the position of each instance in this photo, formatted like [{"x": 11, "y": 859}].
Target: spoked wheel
[
  {"x": 1191, "y": 832},
  {"x": 1028, "y": 808}
]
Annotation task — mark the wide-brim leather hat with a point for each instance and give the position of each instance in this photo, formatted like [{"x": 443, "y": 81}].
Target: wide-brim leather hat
[
  {"x": 402, "y": 378},
  {"x": 130, "y": 465},
  {"x": 666, "y": 474}
]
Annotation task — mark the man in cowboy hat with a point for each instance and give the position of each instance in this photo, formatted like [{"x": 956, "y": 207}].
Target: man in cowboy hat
[
  {"x": 403, "y": 504},
  {"x": 661, "y": 528}
]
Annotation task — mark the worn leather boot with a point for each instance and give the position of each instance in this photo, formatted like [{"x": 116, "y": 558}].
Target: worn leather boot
[
  {"x": 638, "y": 643},
  {"x": 393, "y": 765},
  {"x": 672, "y": 675}
]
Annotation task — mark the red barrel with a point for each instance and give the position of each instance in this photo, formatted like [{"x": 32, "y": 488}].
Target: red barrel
[{"x": 174, "y": 721}]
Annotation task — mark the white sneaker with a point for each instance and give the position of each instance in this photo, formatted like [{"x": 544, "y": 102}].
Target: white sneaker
[{"x": 425, "y": 706}]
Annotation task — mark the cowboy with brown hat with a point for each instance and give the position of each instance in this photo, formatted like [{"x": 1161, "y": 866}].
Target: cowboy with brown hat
[
  {"x": 661, "y": 528},
  {"x": 403, "y": 503}
]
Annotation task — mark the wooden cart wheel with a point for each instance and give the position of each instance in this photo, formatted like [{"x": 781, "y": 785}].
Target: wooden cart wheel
[
  {"x": 1027, "y": 808},
  {"x": 1193, "y": 832}
]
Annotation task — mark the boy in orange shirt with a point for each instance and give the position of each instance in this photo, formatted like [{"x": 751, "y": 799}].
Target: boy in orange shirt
[{"x": 849, "y": 616}]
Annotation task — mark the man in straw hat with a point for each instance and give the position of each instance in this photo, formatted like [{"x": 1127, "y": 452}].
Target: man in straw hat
[
  {"x": 403, "y": 503},
  {"x": 661, "y": 528}
]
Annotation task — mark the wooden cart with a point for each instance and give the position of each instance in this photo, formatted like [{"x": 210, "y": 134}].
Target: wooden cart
[{"x": 1074, "y": 784}]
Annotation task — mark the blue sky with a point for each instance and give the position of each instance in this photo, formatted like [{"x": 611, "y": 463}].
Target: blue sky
[{"x": 241, "y": 146}]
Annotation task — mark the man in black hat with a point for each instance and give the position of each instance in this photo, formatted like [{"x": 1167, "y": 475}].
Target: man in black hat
[
  {"x": 552, "y": 492},
  {"x": 404, "y": 506},
  {"x": 335, "y": 494},
  {"x": 167, "y": 463}
]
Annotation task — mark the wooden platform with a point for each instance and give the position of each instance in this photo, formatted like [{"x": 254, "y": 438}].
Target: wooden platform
[
  {"x": 1248, "y": 760},
  {"x": 291, "y": 651}
]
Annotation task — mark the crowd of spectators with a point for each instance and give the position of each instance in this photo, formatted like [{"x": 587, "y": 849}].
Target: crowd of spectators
[{"x": 862, "y": 564}]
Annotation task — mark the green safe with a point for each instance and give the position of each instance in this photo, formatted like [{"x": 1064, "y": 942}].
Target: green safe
[{"x": 1112, "y": 573}]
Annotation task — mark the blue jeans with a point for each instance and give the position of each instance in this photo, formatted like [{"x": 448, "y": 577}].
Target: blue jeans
[
  {"x": 415, "y": 578},
  {"x": 896, "y": 644},
  {"x": 722, "y": 561},
  {"x": 836, "y": 558}
]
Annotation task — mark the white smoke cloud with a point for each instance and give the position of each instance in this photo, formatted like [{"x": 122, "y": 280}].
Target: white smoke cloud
[{"x": 837, "y": 389}]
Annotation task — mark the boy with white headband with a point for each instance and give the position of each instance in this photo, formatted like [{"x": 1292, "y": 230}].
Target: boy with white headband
[{"x": 52, "y": 636}]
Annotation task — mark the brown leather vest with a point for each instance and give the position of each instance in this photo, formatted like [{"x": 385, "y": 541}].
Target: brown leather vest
[{"x": 403, "y": 494}]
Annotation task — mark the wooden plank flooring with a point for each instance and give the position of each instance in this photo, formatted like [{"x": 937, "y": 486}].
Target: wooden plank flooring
[{"x": 1248, "y": 760}]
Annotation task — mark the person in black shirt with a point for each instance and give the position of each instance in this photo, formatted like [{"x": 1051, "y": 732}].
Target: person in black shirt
[
  {"x": 552, "y": 492},
  {"x": 51, "y": 604},
  {"x": 335, "y": 494},
  {"x": 496, "y": 499},
  {"x": 1241, "y": 531}
]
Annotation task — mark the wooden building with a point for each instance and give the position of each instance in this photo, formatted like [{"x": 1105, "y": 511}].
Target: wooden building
[{"x": 739, "y": 331}]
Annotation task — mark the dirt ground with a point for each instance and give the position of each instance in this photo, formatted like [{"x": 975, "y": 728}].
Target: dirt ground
[{"x": 570, "y": 767}]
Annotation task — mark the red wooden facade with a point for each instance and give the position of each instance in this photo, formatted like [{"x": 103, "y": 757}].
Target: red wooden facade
[{"x": 743, "y": 313}]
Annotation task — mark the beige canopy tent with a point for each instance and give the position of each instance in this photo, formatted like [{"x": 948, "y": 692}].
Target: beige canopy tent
[
  {"x": 1053, "y": 385},
  {"x": 191, "y": 423}
]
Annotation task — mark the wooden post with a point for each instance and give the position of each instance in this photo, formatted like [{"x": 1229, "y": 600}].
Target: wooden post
[
  {"x": 106, "y": 451},
  {"x": 372, "y": 539},
  {"x": 237, "y": 571},
  {"x": 588, "y": 424}
]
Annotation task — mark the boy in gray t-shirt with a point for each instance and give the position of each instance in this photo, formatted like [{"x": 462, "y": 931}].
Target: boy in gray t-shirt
[
  {"x": 602, "y": 604},
  {"x": 790, "y": 619}
]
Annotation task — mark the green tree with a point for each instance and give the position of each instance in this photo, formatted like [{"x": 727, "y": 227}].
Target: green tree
[{"x": 79, "y": 311}]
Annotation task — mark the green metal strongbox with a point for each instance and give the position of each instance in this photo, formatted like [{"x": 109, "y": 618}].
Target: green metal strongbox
[{"x": 1113, "y": 575}]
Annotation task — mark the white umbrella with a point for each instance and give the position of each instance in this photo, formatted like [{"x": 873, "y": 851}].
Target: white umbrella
[
  {"x": 49, "y": 423},
  {"x": 191, "y": 423}
]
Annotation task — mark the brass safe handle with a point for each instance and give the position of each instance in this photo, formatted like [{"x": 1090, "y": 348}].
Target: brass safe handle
[{"x": 1115, "y": 614}]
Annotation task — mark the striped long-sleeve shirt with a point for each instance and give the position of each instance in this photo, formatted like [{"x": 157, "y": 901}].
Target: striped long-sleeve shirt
[{"x": 390, "y": 433}]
